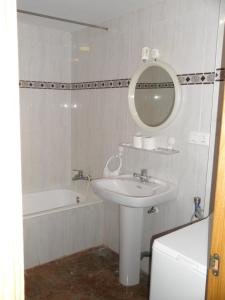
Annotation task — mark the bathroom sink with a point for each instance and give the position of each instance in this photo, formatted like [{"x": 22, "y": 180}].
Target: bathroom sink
[
  {"x": 129, "y": 191},
  {"x": 133, "y": 195}
]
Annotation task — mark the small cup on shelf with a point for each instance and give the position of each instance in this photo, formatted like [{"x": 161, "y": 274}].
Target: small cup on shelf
[
  {"x": 137, "y": 140},
  {"x": 149, "y": 143}
]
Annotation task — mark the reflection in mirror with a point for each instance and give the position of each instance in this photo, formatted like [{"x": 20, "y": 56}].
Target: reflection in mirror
[{"x": 154, "y": 96}]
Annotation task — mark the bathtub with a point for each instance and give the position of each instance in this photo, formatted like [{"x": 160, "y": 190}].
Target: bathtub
[
  {"x": 47, "y": 202},
  {"x": 59, "y": 223}
]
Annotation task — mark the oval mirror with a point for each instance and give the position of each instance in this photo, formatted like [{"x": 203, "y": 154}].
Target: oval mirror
[{"x": 154, "y": 96}]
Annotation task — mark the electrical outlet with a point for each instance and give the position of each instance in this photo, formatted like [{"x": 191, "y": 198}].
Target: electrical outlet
[{"x": 199, "y": 138}]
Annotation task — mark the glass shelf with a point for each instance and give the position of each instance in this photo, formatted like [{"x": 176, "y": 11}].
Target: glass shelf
[{"x": 159, "y": 150}]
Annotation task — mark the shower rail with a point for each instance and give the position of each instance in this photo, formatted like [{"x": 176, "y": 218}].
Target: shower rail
[{"x": 60, "y": 19}]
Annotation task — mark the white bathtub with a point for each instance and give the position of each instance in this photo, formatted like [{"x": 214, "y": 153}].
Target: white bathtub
[
  {"x": 47, "y": 202},
  {"x": 59, "y": 223}
]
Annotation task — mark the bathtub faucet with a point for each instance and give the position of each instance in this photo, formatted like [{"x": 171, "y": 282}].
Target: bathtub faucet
[{"x": 79, "y": 175}]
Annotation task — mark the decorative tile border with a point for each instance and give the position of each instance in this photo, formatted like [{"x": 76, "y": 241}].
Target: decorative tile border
[
  {"x": 184, "y": 79},
  {"x": 220, "y": 74},
  {"x": 152, "y": 85},
  {"x": 44, "y": 85},
  {"x": 104, "y": 84},
  {"x": 197, "y": 78}
]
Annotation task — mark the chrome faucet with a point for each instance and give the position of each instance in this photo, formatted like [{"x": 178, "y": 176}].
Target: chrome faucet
[
  {"x": 143, "y": 176},
  {"x": 80, "y": 175}
]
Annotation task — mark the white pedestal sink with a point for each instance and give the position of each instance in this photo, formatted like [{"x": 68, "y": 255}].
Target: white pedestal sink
[
  {"x": 131, "y": 221},
  {"x": 133, "y": 196}
]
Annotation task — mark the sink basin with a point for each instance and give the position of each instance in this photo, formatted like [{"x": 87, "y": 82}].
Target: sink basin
[
  {"x": 130, "y": 191},
  {"x": 132, "y": 195}
]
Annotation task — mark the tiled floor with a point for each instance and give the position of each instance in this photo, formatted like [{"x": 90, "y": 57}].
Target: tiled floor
[{"x": 88, "y": 275}]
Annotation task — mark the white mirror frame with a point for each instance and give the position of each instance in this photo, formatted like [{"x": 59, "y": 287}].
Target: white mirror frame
[{"x": 131, "y": 96}]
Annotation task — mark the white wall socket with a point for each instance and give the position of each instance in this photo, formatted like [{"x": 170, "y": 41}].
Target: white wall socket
[
  {"x": 149, "y": 54},
  {"x": 145, "y": 53},
  {"x": 199, "y": 138}
]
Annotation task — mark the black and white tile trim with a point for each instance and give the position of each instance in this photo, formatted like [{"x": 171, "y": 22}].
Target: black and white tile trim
[
  {"x": 44, "y": 85},
  {"x": 105, "y": 84},
  {"x": 116, "y": 83},
  {"x": 220, "y": 74},
  {"x": 152, "y": 85},
  {"x": 184, "y": 79},
  {"x": 197, "y": 78}
]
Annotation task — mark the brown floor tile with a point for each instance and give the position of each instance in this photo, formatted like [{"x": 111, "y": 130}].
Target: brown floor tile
[{"x": 88, "y": 275}]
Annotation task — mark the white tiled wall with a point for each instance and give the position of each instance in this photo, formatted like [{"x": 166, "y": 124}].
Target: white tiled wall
[
  {"x": 55, "y": 235},
  {"x": 217, "y": 95},
  {"x": 185, "y": 32},
  {"x": 44, "y": 54}
]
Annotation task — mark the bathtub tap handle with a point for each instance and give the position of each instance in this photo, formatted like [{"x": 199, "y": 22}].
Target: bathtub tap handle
[
  {"x": 79, "y": 172},
  {"x": 80, "y": 175}
]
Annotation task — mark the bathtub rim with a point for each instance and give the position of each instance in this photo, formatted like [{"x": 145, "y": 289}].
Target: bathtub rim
[{"x": 63, "y": 207}]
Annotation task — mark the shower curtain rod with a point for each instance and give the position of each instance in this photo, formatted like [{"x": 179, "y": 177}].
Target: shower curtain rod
[{"x": 60, "y": 19}]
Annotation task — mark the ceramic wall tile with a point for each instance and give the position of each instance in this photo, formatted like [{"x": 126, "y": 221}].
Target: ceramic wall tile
[
  {"x": 55, "y": 235},
  {"x": 31, "y": 240},
  {"x": 44, "y": 53},
  {"x": 83, "y": 228},
  {"x": 220, "y": 60},
  {"x": 81, "y": 129},
  {"x": 45, "y": 139},
  {"x": 50, "y": 237},
  {"x": 185, "y": 32}
]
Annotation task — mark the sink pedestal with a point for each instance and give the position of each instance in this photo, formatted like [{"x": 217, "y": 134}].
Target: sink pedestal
[
  {"x": 131, "y": 223},
  {"x": 133, "y": 196}
]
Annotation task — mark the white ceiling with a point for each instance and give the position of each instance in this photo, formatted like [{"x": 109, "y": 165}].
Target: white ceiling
[{"x": 89, "y": 11}]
